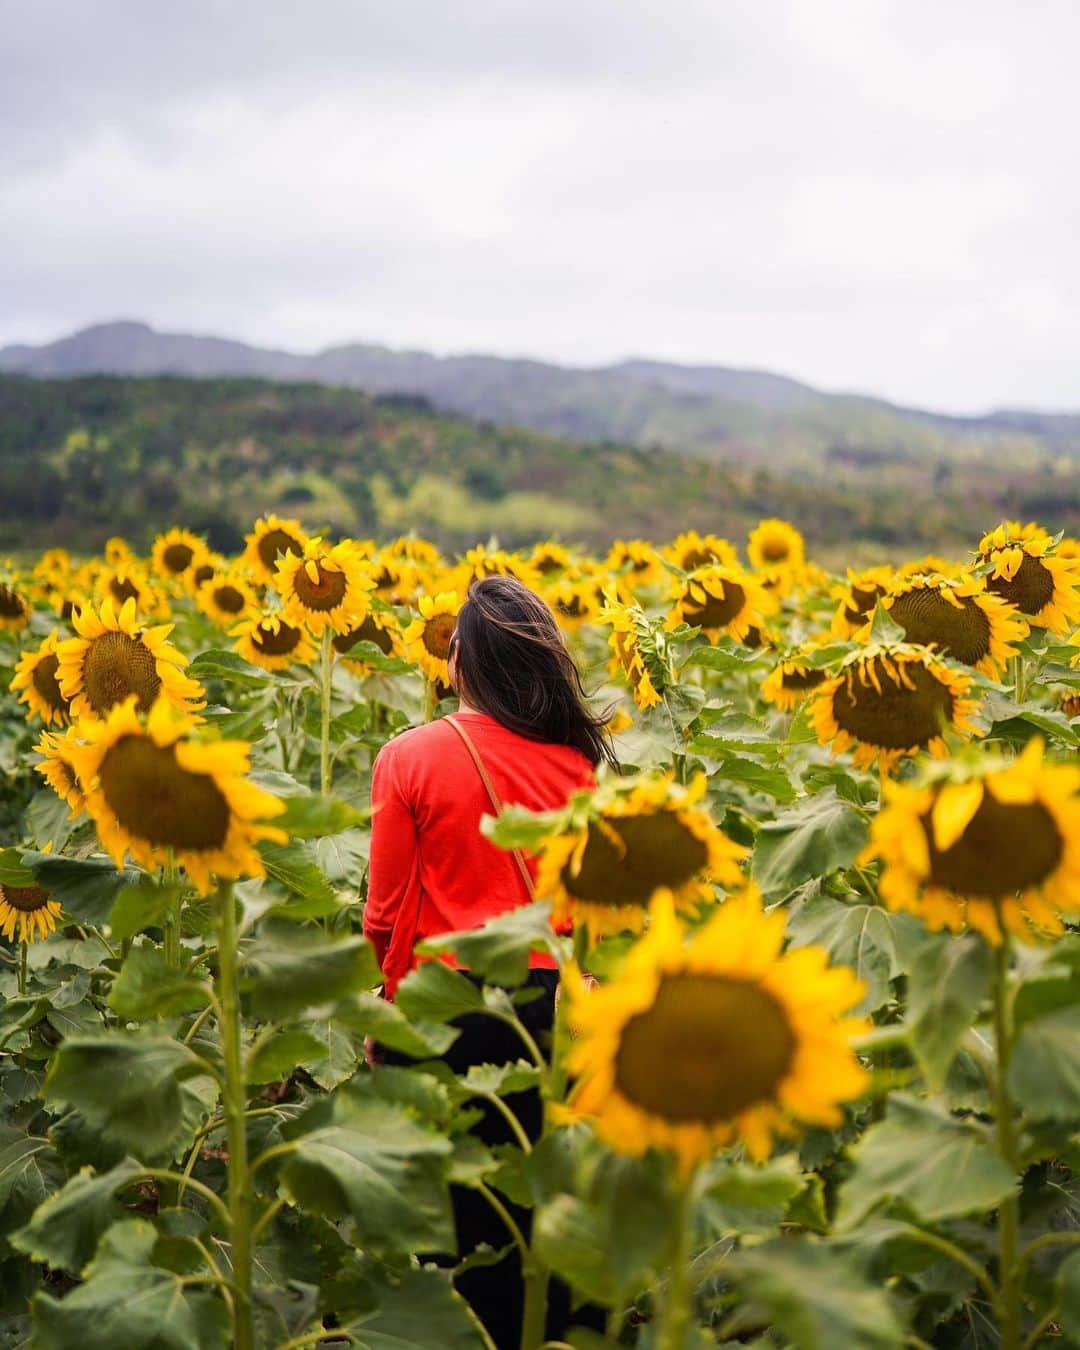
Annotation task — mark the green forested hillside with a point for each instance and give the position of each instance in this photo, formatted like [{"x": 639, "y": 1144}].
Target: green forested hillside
[{"x": 84, "y": 458}]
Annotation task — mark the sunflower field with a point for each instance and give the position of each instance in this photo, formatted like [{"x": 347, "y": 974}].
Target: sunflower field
[{"x": 814, "y": 1079}]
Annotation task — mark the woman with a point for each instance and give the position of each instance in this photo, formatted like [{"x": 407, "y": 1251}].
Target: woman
[{"x": 529, "y": 740}]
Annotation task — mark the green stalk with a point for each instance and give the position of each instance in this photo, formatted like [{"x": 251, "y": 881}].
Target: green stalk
[
  {"x": 22, "y": 967},
  {"x": 171, "y": 924},
  {"x": 677, "y": 1305},
  {"x": 326, "y": 669},
  {"x": 534, "y": 1317},
  {"x": 239, "y": 1189},
  {"x": 1009, "y": 1211},
  {"x": 430, "y": 700}
]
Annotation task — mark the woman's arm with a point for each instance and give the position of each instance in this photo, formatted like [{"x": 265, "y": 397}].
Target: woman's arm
[{"x": 394, "y": 865}]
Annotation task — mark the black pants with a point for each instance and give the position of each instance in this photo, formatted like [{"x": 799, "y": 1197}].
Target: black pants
[{"x": 496, "y": 1293}]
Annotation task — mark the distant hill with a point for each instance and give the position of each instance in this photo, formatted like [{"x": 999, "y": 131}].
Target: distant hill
[
  {"x": 85, "y": 457},
  {"x": 738, "y": 415}
]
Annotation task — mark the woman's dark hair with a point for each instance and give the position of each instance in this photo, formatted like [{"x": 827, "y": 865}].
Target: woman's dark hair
[{"x": 514, "y": 665}]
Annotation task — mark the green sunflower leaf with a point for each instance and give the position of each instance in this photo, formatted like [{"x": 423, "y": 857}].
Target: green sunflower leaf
[
  {"x": 288, "y": 969},
  {"x": 815, "y": 838},
  {"x": 147, "y": 986},
  {"x": 949, "y": 978},
  {"x": 64, "y": 1231},
  {"x": 1044, "y": 1068}
]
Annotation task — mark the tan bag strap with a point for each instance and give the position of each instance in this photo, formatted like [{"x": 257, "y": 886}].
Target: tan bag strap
[{"x": 493, "y": 797}]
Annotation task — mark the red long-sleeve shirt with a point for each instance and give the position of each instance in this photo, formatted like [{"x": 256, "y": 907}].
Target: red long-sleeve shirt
[{"x": 431, "y": 870}]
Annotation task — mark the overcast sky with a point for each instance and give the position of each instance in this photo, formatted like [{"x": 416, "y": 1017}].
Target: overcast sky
[{"x": 876, "y": 195}]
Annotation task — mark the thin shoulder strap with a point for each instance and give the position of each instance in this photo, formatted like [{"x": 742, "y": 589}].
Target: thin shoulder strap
[{"x": 493, "y": 797}]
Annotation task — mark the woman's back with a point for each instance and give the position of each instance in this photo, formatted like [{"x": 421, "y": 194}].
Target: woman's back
[{"x": 429, "y": 799}]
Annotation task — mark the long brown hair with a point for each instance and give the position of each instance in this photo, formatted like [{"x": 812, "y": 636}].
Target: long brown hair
[{"x": 514, "y": 665}]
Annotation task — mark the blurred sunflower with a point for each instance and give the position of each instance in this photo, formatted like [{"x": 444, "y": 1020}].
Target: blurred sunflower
[
  {"x": 271, "y": 538},
  {"x": 636, "y": 561},
  {"x": 113, "y": 658},
  {"x": 225, "y": 596},
  {"x": 427, "y": 638},
  {"x": 117, "y": 551},
  {"x": 380, "y": 627},
  {"x": 211, "y": 565},
  {"x": 53, "y": 566},
  {"x": 1025, "y": 570},
  {"x": 858, "y": 598},
  {"x": 775, "y": 545},
  {"x": 58, "y": 769},
  {"x": 266, "y": 640},
  {"x": 35, "y": 678},
  {"x": 722, "y": 598},
  {"x": 156, "y": 791},
  {"x": 14, "y": 607},
  {"x": 695, "y": 1045},
  {"x": 128, "y": 582},
  {"x": 891, "y": 701},
  {"x": 997, "y": 839},
  {"x": 27, "y": 911},
  {"x": 175, "y": 552},
  {"x": 792, "y": 680},
  {"x": 690, "y": 550},
  {"x": 549, "y": 559},
  {"x": 324, "y": 587},
  {"x": 639, "y": 837},
  {"x": 959, "y": 618},
  {"x": 636, "y": 657},
  {"x": 415, "y": 549},
  {"x": 479, "y": 562},
  {"x": 575, "y": 600},
  {"x": 395, "y": 579}
]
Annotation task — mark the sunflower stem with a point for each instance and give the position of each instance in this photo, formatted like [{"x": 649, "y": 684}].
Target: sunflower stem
[
  {"x": 430, "y": 700},
  {"x": 326, "y": 670},
  {"x": 534, "y": 1316},
  {"x": 239, "y": 1180},
  {"x": 23, "y": 948},
  {"x": 676, "y": 1310},
  {"x": 1009, "y": 1211}
]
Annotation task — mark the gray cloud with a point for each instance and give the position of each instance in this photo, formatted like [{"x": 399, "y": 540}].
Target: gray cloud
[{"x": 862, "y": 193}]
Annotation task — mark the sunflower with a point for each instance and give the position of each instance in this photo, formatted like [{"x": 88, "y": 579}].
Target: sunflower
[
  {"x": 175, "y": 552},
  {"x": 58, "y": 769},
  {"x": 636, "y": 561},
  {"x": 323, "y": 587},
  {"x": 269, "y": 539},
  {"x": 225, "y": 596},
  {"x": 1025, "y": 570},
  {"x": 722, "y": 598},
  {"x": 29, "y": 910},
  {"x": 129, "y": 582},
  {"x": 775, "y": 545},
  {"x": 395, "y": 579},
  {"x": 575, "y": 600},
  {"x": 858, "y": 598},
  {"x": 792, "y": 680},
  {"x": 636, "y": 656},
  {"x": 427, "y": 638},
  {"x": 14, "y": 607},
  {"x": 212, "y": 565},
  {"x": 53, "y": 565},
  {"x": 117, "y": 551},
  {"x": 694, "y": 1045},
  {"x": 35, "y": 676},
  {"x": 380, "y": 627},
  {"x": 479, "y": 563},
  {"x": 959, "y": 618},
  {"x": 156, "y": 791},
  {"x": 113, "y": 657},
  {"x": 981, "y": 842},
  {"x": 890, "y": 701},
  {"x": 415, "y": 549},
  {"x": 266, "y": 640},
  {"x": 637, "y": 838},
  {"x": 690, "y": 550},
  {"x": 549, "y": 559}
]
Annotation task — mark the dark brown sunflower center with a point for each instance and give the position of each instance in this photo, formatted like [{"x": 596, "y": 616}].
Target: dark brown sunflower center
[
  {"x": 926, "y": 616},
  {"x": 229, "y": 599},
  {"x": 156, "y": 800},
  {"x": 123, "y": 589},
  {"x": 898, "y": 717},
  {"x": 694, "y": 558},
  {"x": 548, "y": 564},
  {"x": 26, "y": 899},
  {"x": 274, "y": 542},
  {"x": 1030, "y": 590},
  {"x": 1006, "y": 847},
  {"x": 279, "y": 643},
  {"x": 368, "y": 631},
  {"x": 177, "y": 557},
  {"x": 717, "y": 610},
  {"x": 45, "y": 682},
  {"x": 12, "y": 605},
  {"x": 802, "y": 678},
  {"x": 437, "y": 633},
  {"x": 862, "y": 602},
  {"x": 572, "y": 608},
  {"x": 775, "y": 550},
  {"x": 116, "y": 666},
  {"x": 322, "y": 595},
  {"x": 202, "y": 573},
  {"x": 708, "y": 1048},
  {"x": 649, "y": 851}
]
